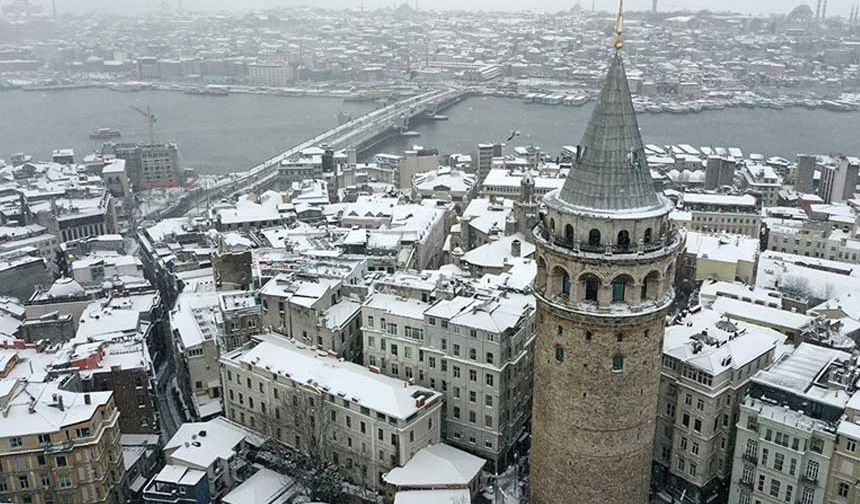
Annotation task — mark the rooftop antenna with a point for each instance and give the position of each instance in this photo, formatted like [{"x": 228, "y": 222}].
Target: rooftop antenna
[{"x": 619, "y": 27}]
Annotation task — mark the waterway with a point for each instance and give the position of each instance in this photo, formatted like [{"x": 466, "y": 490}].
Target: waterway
[
  {"x": 766, "y": 131},
  {"x": 233, "y": 133},
  {"x": 214, "y": 134}
]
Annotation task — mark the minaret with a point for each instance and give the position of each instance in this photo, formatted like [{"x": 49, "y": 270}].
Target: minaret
[{"x": 606, "y": 263}]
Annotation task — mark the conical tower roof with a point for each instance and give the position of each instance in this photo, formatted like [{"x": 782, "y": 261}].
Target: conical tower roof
[{"x": 611, "y": 174}]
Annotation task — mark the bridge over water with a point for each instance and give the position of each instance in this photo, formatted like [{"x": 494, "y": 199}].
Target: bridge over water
[{"x": 359, "y": 133}]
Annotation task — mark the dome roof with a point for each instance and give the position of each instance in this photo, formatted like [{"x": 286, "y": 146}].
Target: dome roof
[
  {"x": 801, "y": 13},
  {"x": 66, "y": 287}
]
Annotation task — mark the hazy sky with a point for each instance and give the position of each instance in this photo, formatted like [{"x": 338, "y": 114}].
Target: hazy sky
[{"x": 835, "y": 7}]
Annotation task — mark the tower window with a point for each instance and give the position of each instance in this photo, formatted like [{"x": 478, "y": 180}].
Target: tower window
[
  {"x": 559, "y": 330},
  {"x": 648, "y": 233},
  {"x": 619, "y": 337},
  {"x": 568, "y": 234},
  {"x": 623, "y": 240},
  {"x": 592, "y": 285},
  {"x": 565, "y": 284},
  {"x": 619, "y": 288},
  {"x": 559, "y": 354},
  {"x": 588, "y": 336},
  {"x": 594, "y": 238},
  {"x": 617, "y": 364},
  {"x": 552, "y": 224}
]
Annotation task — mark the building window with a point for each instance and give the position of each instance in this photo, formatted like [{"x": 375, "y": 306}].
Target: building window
[
  {"x": 559, "y": 354},
  {"x": 774, "y": 487},
  {"x": 842, "y": 490},
  {"x": 15, "y": 442},
  {"x": 808, "y": 496},
  {"x": 594, "y": 238},
  {"x": 617, "y": 364},
  {"x": 619, "y": 288},
  {"x": 623, "y": 240},
  {"x": 592, "y": 286}
]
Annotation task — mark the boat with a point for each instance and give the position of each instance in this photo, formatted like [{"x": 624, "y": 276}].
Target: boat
[
  {"x": 105, "y": 133},
  {"x": 440, "y": 117},
  {"x": 208, "y": 91},
  {"x": 410, "y": 133}
]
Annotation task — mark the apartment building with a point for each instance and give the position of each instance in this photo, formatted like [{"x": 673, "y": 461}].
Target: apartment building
[
  {"x": 312, "y": 309},
  {"x": 148, "y": 166},
  {"x": 761, "y": 181},
  {"x": 58, "y": 446},
  {"x": 475, "y": 348},
  {"x": 722, "y": 213},
  {"x": 352, "y": 416},
  {"x": 787, "y": 428},
  {"x": 814, "y": 238},
  {"x": 708, "y": 361}
]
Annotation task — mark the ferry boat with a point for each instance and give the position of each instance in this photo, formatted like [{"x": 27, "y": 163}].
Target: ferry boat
[
  {"x": 410, "y": 133},
  {"x": 207, "y": 91},
  {"x": 440, "y": 117},
  {"x": 105, "y": 133}
]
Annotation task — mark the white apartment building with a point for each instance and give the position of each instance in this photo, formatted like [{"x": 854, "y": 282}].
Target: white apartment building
[
  {"x": 763, "y": 181},
  {"x": 814, "y": 239},
  {"x": 362, "y": 421},
  {"x": 707, "y": 364},
  {"x": 786, "y": 431},
  {"x": 475, "y": 349},
  {"x": 722, "y": 213}
]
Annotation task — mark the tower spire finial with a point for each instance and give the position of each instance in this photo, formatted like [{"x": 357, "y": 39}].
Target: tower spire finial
[{"x": 619, "y": 27}]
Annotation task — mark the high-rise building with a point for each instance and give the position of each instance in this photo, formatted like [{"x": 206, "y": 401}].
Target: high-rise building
[
  {"x": 486, "y": 153},
  {"x": 804, "y": 174},
  {"x": 148, "y": 166},
  {"x": 838, "y": 181},
  {"x": 719, "y": 172},
  {"x": 606, "y": 262}
]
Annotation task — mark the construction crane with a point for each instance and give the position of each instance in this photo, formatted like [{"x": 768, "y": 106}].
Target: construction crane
[{"x": 151, "y": 120}]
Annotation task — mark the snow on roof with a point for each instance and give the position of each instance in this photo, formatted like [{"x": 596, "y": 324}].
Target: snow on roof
[
  {"x": 722, "y": 344},
  {"x": 195, "y": 317},
  {"x": 384, "y": 394},
  {"x": 503, "y": 177},
  {"x": 712, "y": 290},
  {"x": 719, "y": 199},
  {"x": 798, "y": 372},
  {"x": 520, "y": 277},
  {"x": 824, "y": 278},
  {"x": 496, "y": 314},
  {"x": 497, "y": 254},
  {"x": 484, "y": 214},
  {"x": 179, "y": 475},
  {"x": 435, "y": 466},
  {"x": 301, "y": 291},
  {"x": 758, "y": 314},
  {"x": 118, "y": 316},
  {"x": 722, "y": 247},
  {"x": 340, "y": 313},
  {"x": 848, "y": 303},
  {"x": 249, "y": 211},
  {"x": 47, "y": 416},
  {"x": 200, "y": 444},
  {"x": 460, "y": 496},
  {"x": 264, "y": 487},
  {"x": 402, "y": 307}
]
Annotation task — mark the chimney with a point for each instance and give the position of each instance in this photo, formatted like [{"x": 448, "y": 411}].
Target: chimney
[
  {"x": 60, "y": 402},
  {"x": 87, "y": 399},
  {"x": 516, "y": 248}
]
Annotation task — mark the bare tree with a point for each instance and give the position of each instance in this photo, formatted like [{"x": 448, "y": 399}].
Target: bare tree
[
  {"x": 304, "y": 456},
  {"x": 797, "y": 287}
]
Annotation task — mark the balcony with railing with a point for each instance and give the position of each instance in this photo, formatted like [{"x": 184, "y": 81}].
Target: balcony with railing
[
  {"x": 602, "y": 251},
  {"x": 749, "y": 457}
]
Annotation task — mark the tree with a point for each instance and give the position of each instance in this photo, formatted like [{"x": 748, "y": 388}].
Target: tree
[{"x": 797, "y": 288}]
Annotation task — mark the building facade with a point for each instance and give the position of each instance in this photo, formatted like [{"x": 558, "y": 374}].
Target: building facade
[
  {"x": 606, "y": 264},
  {"x": 364, "y": 422}
]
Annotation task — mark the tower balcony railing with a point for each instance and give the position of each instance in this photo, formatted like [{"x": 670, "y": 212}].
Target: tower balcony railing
[{"x": 563, "y": 244}]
